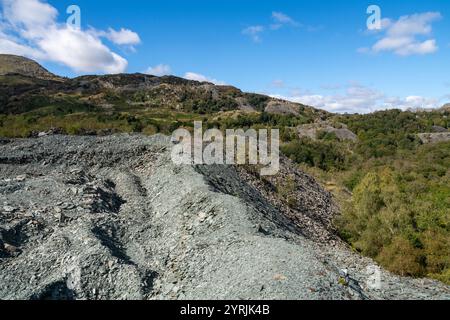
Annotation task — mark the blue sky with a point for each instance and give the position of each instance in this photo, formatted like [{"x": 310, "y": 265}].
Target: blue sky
[{"x": 317, "y": 52}]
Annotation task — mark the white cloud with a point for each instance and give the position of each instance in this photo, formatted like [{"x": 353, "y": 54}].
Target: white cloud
[
  {"x": 201, "y": 78},
  {"x": 29, "y": 14},
  {"x": 80, "y": 51},
  {"x": 10, "y": 45},
  {"x": 413, "y": 102},
  {"x": 360, "y": 99},
  {"x": 281, "y": 19},
  {"x": 122, "y": 37},
  {"x": 414, "y": 24},
  {"x": 254, "y": 32},
  {"x": 30, "y": 28},
  {"x": 159, "y": 70},
  {"x": 405, "y": 36}
]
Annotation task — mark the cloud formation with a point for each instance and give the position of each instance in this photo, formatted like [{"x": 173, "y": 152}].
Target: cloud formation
[
  {"x": 30, "y": 28},
  {"x": 254, "y": 32},
  {"x": 279, "y": 20},
  {"x": 159, "y": 70},
  {"x": 409, "y": 35},
  {"x": 201, "y": 78},
  {"x": 282, "y": 19},
  {"x": 356, "y": 98},
  {"x": 121, "y": 37}
]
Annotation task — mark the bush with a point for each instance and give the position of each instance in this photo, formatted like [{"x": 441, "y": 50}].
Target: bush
[
  {"x": 406, "y": 230},
  {"x": 402, "y": 258},
  {"x": 320, "y": 154}
]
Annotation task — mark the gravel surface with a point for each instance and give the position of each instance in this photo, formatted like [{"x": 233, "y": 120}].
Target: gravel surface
[{"x": 113, "y": 218}]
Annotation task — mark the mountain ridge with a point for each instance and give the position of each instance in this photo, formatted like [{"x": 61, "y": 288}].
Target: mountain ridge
[
  {"x": 136, "y": 89},
  {"x": 12, "y": 64}
]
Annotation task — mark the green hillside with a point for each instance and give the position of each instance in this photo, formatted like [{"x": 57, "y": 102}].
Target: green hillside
[{"x": 394, "y": 189}]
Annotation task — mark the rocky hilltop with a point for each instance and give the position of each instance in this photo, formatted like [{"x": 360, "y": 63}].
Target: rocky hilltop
[
  {"x": 10, "y": 65},
  {"x": 26, "y": 86},
  {"x": 113, "y": 218}
]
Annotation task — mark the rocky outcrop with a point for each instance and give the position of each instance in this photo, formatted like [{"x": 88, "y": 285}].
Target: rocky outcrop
[
  {"x": 10, "y": 64},
  {"x": 438, "y": 129},
  {"x": 113, "y": 218},
  {"x": 445, "y": 108},
  {"x": 282, "y": 108},
  {"x": 434, "y": 137},
  {"x": 311, "y": 131}
]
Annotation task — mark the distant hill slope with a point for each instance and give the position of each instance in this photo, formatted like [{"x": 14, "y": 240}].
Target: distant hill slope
[
  {"x": 10, "y": 64},
  {"x": 26, "y": 86},
  {"x": 446, "y": 107}
]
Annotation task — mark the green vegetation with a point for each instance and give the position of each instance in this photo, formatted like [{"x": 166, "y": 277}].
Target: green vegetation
[
  {"x": 24, "y": 125},
  {"x": 385, "y": 133},
  {"x": 398, "y": 211},
  {"x": 325, "y": 155},
  {"x": 393, "y": 190},
  {"x": 258, "y": 101}
]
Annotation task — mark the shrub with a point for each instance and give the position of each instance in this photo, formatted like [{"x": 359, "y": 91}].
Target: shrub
[
  {"x": 403, "y": 258},
  {"x": 323, "y": 155}
]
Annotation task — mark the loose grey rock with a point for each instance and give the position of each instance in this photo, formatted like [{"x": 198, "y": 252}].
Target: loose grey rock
[
  {"x": 9, "y": 209},
  {"x": 143, "y": 228},
  {"x": 21, "y": 178}
]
